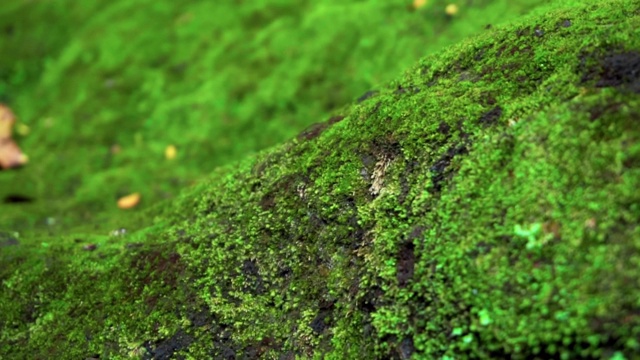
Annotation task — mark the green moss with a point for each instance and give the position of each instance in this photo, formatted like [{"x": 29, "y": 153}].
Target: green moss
[
  {"x": 483, "y": 205},
  {"x": 146, "y": 74}
]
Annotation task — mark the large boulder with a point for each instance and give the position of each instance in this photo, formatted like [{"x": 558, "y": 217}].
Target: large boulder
[{"x": 483, "y": 205}]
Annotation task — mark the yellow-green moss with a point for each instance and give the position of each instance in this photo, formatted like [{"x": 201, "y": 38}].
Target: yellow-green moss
[{"x": 484, "y": 205}]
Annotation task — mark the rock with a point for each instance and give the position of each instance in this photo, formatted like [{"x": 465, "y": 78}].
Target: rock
[{"x": 503, "y": 225}]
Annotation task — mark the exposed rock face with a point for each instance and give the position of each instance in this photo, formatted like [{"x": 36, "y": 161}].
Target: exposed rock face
[{"x": 483, "y": 206}]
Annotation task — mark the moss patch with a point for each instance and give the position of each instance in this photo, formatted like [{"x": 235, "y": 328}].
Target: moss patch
[
  {"x": 483, "y": 205},
  {"x": 105, "y": 88}
]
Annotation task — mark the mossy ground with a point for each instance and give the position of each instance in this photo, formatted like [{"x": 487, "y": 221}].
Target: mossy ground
[
  {"x": 484, "y": 205},
  {"x": 144, "y": 74}
]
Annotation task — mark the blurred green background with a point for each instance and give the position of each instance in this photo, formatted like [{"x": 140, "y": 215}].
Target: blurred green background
[{"x": 101, "y": 88}]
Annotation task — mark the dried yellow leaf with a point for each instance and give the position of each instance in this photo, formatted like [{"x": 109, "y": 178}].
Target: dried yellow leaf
[
  {"x": 451, "y": 9},
  {"x": 7, "y": 118},
  {"x": 417, "y": 4},
  {"x": 129, "y": 201},
  {"x": 170, "y": 152}
]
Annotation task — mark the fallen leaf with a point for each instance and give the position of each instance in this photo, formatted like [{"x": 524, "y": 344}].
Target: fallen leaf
[
  {"x": 7, "y": 119},
  {"x": 170, "y": 152},
  {"x": 10, "y": 155},
  {"x": 129, "y": 201},
  {"x": 451, "y": 9},
  {"x": 417, "y": 4}
]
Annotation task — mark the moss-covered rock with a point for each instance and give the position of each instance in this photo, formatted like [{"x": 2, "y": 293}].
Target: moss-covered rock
[{"x": 484, "y": 205}]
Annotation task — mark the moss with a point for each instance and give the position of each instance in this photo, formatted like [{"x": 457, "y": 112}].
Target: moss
[
  {"x": 139, "y": 76},
  {"x": 483, "y": 205}
]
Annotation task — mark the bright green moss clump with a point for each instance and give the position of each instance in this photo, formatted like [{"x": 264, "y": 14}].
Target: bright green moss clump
[{"x": 484, "y": 205}]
